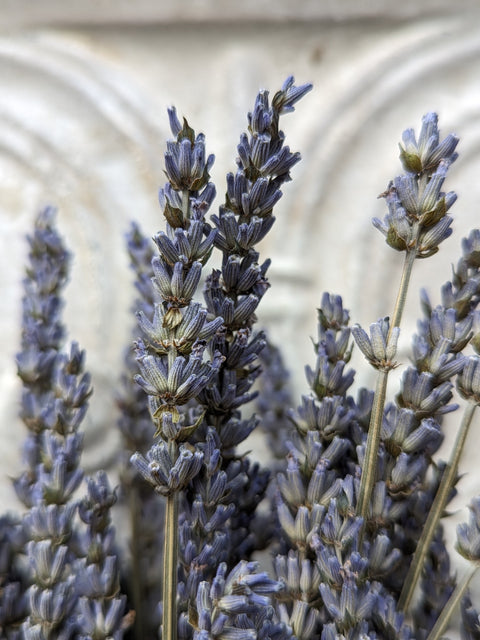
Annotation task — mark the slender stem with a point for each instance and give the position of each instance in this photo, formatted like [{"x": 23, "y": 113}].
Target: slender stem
[
  {"x": 373, "y": 442},
  {"x": 442, "y": 621},
  {"x": 170, "y": 556},
  {"x": 169, "y": 631},
  {"x": 436, "y": 510},
  {"x": 403, "y": 288},
  {"x": 367, "y": 480}
]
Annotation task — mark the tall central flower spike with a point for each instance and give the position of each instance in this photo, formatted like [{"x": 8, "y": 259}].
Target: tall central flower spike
[
  {"x": 171, "y": 359},
  {"x": 171, "y": 356}
]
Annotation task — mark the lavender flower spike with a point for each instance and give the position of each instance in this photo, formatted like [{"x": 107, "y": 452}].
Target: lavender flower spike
[{"x": 468, "y": 382}]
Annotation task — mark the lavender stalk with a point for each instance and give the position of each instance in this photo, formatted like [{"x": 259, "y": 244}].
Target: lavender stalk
[
  {"x": 171, "y": 362},
  {"x": 54, "y": 403},
  {"x": 416, "y": 223},
  {"x": 42, "y": 338}
]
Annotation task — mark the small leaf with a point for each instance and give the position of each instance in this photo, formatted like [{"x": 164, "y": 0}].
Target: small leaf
[
  {"x": 174, "y": 216},
  {"x": 186, "y": 132}
]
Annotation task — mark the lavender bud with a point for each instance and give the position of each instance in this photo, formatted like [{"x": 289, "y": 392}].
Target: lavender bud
[
  {"x": 102, "y": 619},
  {"x": 468, "y": 382},
  {"x": 381, "y": 347},
  {"x": 468, "y": 534},
  {"x": 162, "y": 472},
  {"x": 425, "y": 155}
]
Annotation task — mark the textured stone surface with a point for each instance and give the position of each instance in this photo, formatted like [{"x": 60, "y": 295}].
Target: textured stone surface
[
  {"x": 83, "y": 123},
  {"x": 31, "y": 12}
]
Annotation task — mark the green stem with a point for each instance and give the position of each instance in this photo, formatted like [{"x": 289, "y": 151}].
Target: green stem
[
  {"x": 367, "y": 480},
  {"x": 169, "y": 631},
  {"x": 403, "y": 287},
  {"x": 373, "y": 442},
  {"x": 436, "y": 510},
  {"x": 442, "y": 621},
  {"x": 170, "y": 557}
]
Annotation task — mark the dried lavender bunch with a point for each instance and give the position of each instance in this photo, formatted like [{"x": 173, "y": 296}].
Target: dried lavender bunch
[
  {"x": 412, "y": 433},
  {"x": 443, "y": 333},
  {"x": 234, "y": 292},
  {"x": 416, "y": 223},
  {"x": 349, "y": 529},
  {"x": 333, "y": 574},
  {"x": 54, "y": 403},
  {"x": 54, "y": 399}
]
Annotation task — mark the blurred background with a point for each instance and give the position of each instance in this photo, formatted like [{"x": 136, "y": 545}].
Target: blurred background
[{"x": 84, "y": 89}]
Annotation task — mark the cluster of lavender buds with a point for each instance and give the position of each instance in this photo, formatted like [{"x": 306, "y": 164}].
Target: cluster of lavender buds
[
  {"x": 347, "y": 514},
  {"x": 417, "y": 208}
]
